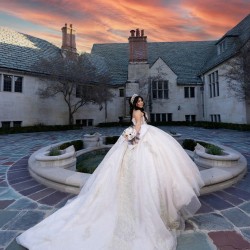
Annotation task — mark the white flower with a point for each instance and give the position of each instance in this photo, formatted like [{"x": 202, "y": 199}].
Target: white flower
[{"x": 129, "y": 133}]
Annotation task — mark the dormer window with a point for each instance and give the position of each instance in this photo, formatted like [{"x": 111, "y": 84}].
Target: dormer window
[{"x": 221, "y": 47}]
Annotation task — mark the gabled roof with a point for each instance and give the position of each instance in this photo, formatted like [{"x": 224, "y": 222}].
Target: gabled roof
[
  {"x": 20, "y": 51},
  {"x": 187, "y": 59},
  {"x": 237, "y": 37},
  {"x": 184, "y": 58}
]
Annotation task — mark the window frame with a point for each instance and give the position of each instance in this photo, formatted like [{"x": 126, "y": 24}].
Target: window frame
[
  {"x": 160, "y": 89},
  {"x": 7, "y": 86}
]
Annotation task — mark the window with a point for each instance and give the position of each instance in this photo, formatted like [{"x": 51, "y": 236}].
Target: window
[
  {"x": 214, "y": 87},
  {"x": 189, "y": 92},
  {"x": 190, "y": 118},
  {"x": 187, "y": 118},
  {"x": 17, "y": 124},
  {"x": 221, "y": 47},
  {"x": 121, "y": 92},
  {"x": 160, "y": 117},
  {"x": 18, "y": 84},
  {"x": 78, "y": 122},
  {"x": 186, "y": 92},
  {"x": 160, "y": 89},
  {"x": 215, "y": 118},
  {"x": 163, "y": 117},
  {"x": 12, "y": 83},
  {"x": 170, "y": 117},
  {"x": 84, "y": 122},
  {"x": 7, "y": 83},
  {"x": 6, "y": 124},
  {"x": 79, "y": 90}
]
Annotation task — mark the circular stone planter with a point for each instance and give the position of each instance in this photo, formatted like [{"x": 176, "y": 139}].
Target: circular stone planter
[
  {"x": 203, "y": 159},
  {"x": 56, "y": 176},
  {"x": 92, "y": 140},
  {"x": 215, "y": 176},
  {"x": 67, "y": 159}
]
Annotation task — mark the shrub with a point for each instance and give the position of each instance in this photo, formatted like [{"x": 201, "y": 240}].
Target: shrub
[
  {"x": 214, "y": 150},
  {"x": 65, "y": 145},
  {"x": 204, "y": 144},
  {"x": 111, "y": 139},
  {"x": 78, "y": 145},
  {"x": 189, "y": 144},
  {"x": 54, "y": 152}
]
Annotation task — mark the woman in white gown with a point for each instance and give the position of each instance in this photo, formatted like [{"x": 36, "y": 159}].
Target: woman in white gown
[{"x": 137, "y": 198}]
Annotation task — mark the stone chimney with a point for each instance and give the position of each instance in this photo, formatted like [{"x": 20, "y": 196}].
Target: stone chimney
[
  {"x": 138, "y": 47},
  {"x": 68, "y": 39}
]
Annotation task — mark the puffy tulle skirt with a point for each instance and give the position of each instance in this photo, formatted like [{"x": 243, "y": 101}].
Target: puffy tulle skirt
[{"x": 137, "y": 198}]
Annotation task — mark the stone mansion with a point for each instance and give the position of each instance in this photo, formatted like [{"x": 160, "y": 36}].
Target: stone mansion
[{"x": 180, "y": 81}]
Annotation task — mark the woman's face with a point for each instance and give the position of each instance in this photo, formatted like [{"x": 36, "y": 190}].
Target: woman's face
[{"x": 139, "y": 103}]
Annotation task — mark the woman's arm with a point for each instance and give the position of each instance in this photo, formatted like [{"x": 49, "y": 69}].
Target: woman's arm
[{"x": 137, "y": 115}]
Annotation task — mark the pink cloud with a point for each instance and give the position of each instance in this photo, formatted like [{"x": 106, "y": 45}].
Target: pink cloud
[{"x": 109, "y": 21}]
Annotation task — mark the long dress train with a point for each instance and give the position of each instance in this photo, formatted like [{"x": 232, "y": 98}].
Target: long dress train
[{"x": 136, "y": 199}]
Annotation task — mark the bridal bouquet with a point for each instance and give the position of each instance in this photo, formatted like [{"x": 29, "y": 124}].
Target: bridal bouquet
[{"x": 131, "y": 135}]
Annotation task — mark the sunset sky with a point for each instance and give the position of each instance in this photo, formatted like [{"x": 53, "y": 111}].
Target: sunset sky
[{"x": 109, "y": 21}]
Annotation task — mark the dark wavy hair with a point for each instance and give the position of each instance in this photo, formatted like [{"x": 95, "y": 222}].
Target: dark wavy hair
[{"x": 134, "y": 107}]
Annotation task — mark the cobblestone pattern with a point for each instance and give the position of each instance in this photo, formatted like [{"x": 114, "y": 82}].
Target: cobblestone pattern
[{"x": 223, "y": 221}]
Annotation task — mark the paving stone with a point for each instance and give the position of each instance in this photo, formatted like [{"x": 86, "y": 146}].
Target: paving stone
[
  {"x": 246, "y": 233},
  {"x": 32, "y": 190},
  {"x": 54, "y": 198},
  {"x": 23, "y": 204},
  {"x": 229, "y": 198},
  {"x": 194, "y": 241},
  {"x": 7, "y": 193},
  {"x": 64, "y": 201},
  {"x": 19, "y": 179},
  {"x": 237, "y": 217},
  {"x": 6, "y": 216},
  {"x": 25, "y": 220},
  {"x": 204, "y": 209},
  {"x": 44, "y": 207},
  {"x": 5, "y": 203},
  {"x": 245, "y": 207},
  {"x": 215, "y": 202},
  {"x": 41, "y": 194},
  {"x": 17, "y": 174},
  {"x": 14, "y": 246},
  {"x": 3, "y": 184},
  {"x": 188, "y": 226},
  {"x": 24, "y": 185},
  {"x": 238, "y": 192},
  {"x": 212, "y": 221},
  {"x": 226, "y": 239},
  {"x": 6, "y": 237},
  {"x": 244, "y": 185}
]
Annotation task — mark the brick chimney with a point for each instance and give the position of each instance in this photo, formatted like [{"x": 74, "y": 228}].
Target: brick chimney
[
  {"x": 138, "y": 47},
  {"x": 68, "y": 39}
]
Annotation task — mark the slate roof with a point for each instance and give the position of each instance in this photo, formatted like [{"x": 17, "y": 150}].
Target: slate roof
[
  {"x": 187, "y": 59},
  {"x": 184, "y": 58},
  {"x": 236, "y": 38},
  {"x": 20, "y": 51}
]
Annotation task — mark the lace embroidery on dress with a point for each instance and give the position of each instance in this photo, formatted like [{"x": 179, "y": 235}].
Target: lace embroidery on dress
[{"x": 124, "y": 232}]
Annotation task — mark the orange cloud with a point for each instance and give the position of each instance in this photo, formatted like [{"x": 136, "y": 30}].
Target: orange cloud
[{"x": 109, "y": 21}]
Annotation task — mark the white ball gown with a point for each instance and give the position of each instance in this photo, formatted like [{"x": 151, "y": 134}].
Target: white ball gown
[{"x": 137, "y": 198}]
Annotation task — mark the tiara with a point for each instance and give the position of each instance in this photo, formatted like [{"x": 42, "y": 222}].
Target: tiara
[{"x": 133, "y": 98}]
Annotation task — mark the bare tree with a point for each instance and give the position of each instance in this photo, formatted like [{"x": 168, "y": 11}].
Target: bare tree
[
  {"x": 77, "y": 79},
  {"x": 238, "y": 74}
]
